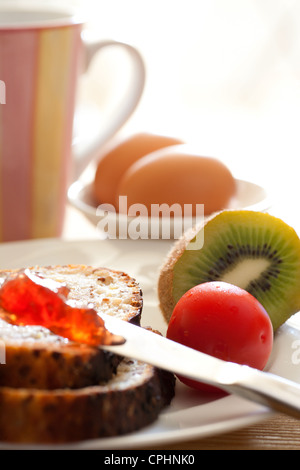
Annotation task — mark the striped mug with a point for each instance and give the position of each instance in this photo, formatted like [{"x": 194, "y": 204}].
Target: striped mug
[{"x": 42, "y": 52}]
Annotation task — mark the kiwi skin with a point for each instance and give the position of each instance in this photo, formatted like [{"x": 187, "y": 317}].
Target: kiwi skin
[
  {"x": 165, "y": 279},
  {"x": 167, "y": 300}
]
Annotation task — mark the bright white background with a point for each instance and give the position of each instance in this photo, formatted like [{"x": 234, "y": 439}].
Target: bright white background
[{"x": 222, "y": 73}]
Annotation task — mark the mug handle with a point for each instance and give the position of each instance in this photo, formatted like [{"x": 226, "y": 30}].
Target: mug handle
[{"x": 84, "y": 154}]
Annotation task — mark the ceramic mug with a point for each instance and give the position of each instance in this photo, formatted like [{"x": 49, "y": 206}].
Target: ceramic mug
[{"x": 42, "y": 52}]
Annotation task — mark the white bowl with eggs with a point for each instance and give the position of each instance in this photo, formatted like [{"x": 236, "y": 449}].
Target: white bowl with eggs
[
  {"x": 249, "y": 196},
  {"x": 159, "y": 195}
]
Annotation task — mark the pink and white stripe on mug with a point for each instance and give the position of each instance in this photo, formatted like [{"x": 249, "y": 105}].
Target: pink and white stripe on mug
[{"x": 39, "y": 67}]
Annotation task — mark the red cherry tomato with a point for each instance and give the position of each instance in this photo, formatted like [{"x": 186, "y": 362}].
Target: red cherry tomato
[{"x": 223, "y": 321}]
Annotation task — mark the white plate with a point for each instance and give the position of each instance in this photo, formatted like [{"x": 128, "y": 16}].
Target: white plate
[
  {"x": 249, "y": 196},
  {"x": 190, "y": 415}
]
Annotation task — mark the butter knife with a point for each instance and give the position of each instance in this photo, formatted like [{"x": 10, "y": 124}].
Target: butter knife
[{"x": 264, "y": 388}]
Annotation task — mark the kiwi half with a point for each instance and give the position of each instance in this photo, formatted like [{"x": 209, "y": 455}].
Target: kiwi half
[{"x": 253, "y": 250}]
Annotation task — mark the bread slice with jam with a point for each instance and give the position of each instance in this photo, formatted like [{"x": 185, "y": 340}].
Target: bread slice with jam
[
  {"x": 37, "y": 358},
  {"x": 53, "y": 390}
]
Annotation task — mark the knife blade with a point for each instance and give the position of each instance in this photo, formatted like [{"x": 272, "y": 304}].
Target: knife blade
[{"x": 264, "y": 388}]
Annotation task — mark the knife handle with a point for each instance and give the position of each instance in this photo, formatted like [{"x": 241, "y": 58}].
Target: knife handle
[{"x": 277, "y": 393}]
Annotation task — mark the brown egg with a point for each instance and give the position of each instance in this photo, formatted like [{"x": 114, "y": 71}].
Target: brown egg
[
  {"x": 114, "y": 164},
  {"x": 178, "y": 175}
]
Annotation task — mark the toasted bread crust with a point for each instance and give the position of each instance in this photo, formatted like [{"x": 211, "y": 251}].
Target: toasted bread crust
[
  {"x": 131, "y": 400},
  {"x": 51, "y": 367}
]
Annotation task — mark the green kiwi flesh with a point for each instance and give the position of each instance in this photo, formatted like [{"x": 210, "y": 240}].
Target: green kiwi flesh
[{"x": 253, "y": 250}]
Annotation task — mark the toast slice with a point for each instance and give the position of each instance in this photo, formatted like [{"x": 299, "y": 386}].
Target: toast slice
[
  {"x": 36, "y": 358},
  {"x": 132, "y": 399},
  {"x": 55, "y": 391}
]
